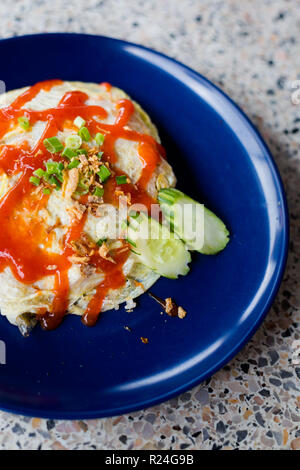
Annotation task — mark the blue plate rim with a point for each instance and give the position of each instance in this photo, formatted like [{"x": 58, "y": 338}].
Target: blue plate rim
[{"x": 281, "y": 262}]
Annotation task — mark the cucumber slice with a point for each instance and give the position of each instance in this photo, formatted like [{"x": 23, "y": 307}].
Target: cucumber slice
[
  {"x": 199, "y": 228},
  {"x": 156, "y": 247}
]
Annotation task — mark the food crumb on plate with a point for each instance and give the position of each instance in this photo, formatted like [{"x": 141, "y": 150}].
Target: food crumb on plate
[{"x": 181, "y": 312}]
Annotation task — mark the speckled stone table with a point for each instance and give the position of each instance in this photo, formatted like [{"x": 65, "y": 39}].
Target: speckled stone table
[{"x": 251, "y": 50}]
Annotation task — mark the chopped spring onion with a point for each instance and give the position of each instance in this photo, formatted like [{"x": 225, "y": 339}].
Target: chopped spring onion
[
  {"x": 53, "y": 145},
  {"x": 53, "y": 174},
  {"x": 74, "y": 164},
  {"x": 99, "y": 138},
  {"x": 81, "y": 152},
  {"x": 82, "y": 185},
  {"x": 81, "y": 190},
  {"x": 34, "y": 180},
  {"x": 100, "y": 155},
  {"x": 79, "y": 122},
  {"x": 68, "y": 153},
  {"x": 84, "y": 134},
  {"x": 103, "y": 173},
  {"x": 24, "y": 122},
  {"x": 98, "y": 191},
  {"x": 54, "y": 168},
  {"x": 121, "y": 179},
  {"x": 39, "y": 173},
  {"x": 59, "y": 176},
  {"x": 46, "y": 177},
  {"x": 52, "y": 180},
  {"x": 46, "y": 191},
  {"x": 73, "y": 141},
  {"x": 101, "y": 241}
]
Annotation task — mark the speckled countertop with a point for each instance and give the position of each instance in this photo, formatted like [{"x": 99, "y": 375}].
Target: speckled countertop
[{"x": 251, "y": 50}]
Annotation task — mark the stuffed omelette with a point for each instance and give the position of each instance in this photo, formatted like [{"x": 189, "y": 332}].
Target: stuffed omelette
[{"x": 67, "y": 150}]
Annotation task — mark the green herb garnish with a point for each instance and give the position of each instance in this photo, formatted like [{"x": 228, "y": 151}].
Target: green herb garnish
[
  {"x": 68, "y": 153},
  {"x": 101, "y": 241},
  {"x": 73, "y": 141},
  {"x": 84, "y": 134},
  {"x": 103, "y": 173},
  {"x": 79, "y": 121},
  {"x": 98, "y": 192},
  {"x": 24, "y": 122},
  {"x": 74, "y": 164},
  {"x": 121, "y": 179},
  {"x": 39, "y": 173},
  {"x": 34, "y": 180},
  {"x": 53, "y": 145},
  {"x": 81, "y": 152},
  {"x": 99, "y": 138}
]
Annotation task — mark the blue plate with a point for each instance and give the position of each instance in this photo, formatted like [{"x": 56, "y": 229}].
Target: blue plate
[{"x": 220, "y": 159}]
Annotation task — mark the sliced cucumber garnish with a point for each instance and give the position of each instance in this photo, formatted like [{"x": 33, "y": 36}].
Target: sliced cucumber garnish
[
  {"x": 197, "y": 226},
  {"x": 156, "y": 247}
]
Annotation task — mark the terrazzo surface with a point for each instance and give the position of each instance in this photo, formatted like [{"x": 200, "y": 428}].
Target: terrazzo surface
[{"x": 251, "y": 50}]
